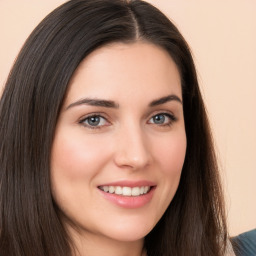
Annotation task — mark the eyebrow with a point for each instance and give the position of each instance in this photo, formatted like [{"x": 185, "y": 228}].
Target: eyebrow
[
  {"x": 94, "y": 102},
  {"x": 165, "y": 99},
  {"x": 112, "y": 104}
]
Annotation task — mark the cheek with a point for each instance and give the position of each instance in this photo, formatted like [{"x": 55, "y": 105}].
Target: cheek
[
  {"x": 171, "y": 157},
  {"x": 74, "y": 164},
  {"x": 171, "y": 154},
  {"x": 76, "y": 156}
]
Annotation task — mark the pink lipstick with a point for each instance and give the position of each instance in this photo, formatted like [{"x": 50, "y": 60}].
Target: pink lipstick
[{"x": 128, "y": 194}]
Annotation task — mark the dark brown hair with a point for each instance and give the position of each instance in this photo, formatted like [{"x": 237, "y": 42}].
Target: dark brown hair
[{"x": 194, "y": 223}]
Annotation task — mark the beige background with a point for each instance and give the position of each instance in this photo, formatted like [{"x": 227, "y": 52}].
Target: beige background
[{"x": 222, "y": 35}]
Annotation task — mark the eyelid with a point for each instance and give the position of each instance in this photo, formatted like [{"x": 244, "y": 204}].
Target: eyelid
[
  {"x": 95, "y": 114},
  {"x": 163, "y": 112},
  {"x": 169, "y": 114},
  {"x": 166, "y": 113}
]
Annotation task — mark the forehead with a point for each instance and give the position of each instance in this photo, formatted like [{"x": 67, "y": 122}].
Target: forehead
[{"x": 126, "y": 70}]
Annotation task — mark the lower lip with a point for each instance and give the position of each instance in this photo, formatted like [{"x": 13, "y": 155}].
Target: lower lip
[{"x": 129, "y": 201}]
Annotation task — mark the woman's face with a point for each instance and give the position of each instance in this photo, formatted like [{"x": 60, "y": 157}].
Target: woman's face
[{"x": 120, "y": 142}]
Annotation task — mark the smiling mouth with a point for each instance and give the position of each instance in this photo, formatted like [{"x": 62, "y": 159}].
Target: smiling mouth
[{"x": 126, "y": 191}]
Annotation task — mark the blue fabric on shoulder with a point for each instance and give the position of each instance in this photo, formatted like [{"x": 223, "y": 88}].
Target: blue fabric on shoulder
[{"x": 245, "y": 244}]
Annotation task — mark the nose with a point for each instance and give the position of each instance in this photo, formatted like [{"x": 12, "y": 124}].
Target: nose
[{"x": 132, "y": 149}]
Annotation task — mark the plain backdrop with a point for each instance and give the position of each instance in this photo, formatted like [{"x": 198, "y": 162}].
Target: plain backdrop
[{"x": 222, "y": 36}]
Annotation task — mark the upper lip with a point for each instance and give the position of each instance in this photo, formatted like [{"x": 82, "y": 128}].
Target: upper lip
[{"x": 129, "y": 183}]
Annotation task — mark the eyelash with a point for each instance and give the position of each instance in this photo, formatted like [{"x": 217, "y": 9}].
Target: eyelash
[
  {"x": 171, "y": 117},
  {"x": 82, "y": 122}
]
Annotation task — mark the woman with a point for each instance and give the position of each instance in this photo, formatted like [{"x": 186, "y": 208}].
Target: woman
[{"x": 105, "y": 143}]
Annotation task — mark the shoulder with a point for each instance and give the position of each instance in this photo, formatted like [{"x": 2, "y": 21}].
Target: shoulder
[{"x": 245, "y": 243}]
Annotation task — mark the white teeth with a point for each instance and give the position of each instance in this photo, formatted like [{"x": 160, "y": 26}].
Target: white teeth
[
  {"x": 136, "y": 191},
  {"x": 118, "y": 191},
  {"x": 111, "y": 189},
  {"x": 125, "y": 191},
  {"x": 105, "y": 188}
]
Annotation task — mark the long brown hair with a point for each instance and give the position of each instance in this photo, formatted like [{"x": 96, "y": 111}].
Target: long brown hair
[{"x": 194, "y": 223}]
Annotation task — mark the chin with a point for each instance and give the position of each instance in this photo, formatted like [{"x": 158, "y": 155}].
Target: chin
[{"x": 130, "y": 233}]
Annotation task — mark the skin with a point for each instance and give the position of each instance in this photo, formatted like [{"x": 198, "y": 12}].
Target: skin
[{"x": 127, "y": 144}]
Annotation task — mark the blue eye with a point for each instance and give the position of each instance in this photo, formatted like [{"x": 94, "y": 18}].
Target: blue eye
[
  {"x": 162, "y": 119},
  {"x": 94, "y": 121},
  {"x": 159, "y": 119}
]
